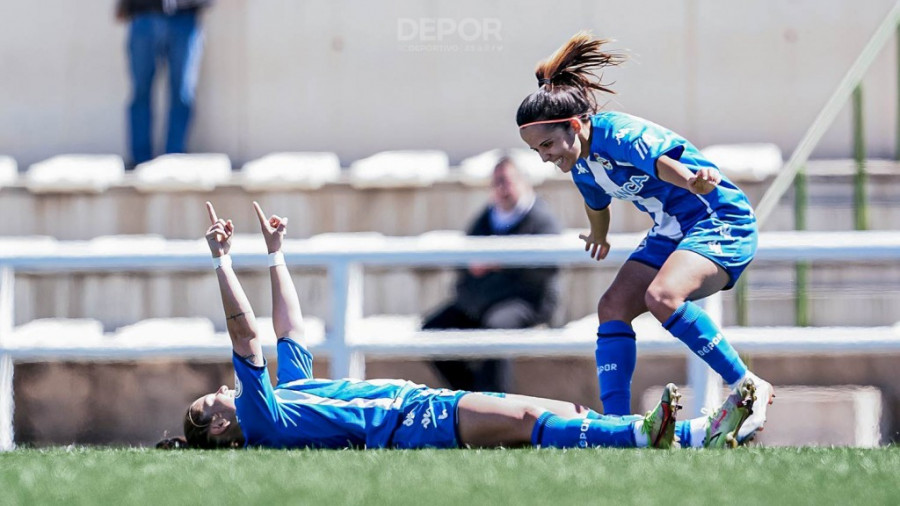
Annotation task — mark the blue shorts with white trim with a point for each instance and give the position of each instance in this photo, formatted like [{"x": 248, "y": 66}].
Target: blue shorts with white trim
[{"x": 731, "y": 245}]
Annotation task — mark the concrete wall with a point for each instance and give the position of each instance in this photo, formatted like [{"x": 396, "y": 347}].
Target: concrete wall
[{"x": 335, "y": 74}]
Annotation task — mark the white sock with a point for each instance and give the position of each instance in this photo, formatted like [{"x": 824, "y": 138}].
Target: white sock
[
  {"x": 698, "y": 431},
  {"x": 640, "y": 439}
]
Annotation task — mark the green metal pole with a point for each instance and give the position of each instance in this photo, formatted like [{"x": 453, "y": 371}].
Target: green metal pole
[
  {"x": 740, "y": 300},
  {"x": 860, "y": 203},
  {"x": 801, "y": 279}
]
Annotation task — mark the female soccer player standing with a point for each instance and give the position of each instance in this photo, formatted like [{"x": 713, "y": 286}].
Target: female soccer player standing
[{"x": 704, "y": 233}]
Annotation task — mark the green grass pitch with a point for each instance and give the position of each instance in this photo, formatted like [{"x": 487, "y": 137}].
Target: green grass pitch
[{"x": 467, "y": 477}]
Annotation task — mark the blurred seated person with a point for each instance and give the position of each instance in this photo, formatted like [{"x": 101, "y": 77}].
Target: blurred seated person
[{"x": 490, "y": 297}]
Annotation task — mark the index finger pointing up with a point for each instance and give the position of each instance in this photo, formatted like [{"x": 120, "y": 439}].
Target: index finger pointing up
[
  {"x": 260, "y": 214},
  {"x": 212, "y": 213}
]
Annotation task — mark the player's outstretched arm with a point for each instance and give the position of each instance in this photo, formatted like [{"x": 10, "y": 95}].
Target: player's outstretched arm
[
  {"x": 286, "y": 315},
  {"x": 239, "y": 318}
]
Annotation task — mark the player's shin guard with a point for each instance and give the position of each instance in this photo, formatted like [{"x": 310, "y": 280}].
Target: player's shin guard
[
  {"x": 556, "y": 432},
  {"x": 616, "y": 356},
  {"x": 700, "y": 333}
]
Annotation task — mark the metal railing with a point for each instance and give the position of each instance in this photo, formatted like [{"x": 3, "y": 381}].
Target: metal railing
[{"x": 849, "y": 88}]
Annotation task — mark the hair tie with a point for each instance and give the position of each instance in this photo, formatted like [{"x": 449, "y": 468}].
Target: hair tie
[
  {"x": 195, "y": 424},
  {"x": 542, "y": 81}
]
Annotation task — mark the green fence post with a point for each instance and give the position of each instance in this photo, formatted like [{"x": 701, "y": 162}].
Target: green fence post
[
  {"x": 740, "y": 300},
  {"x": 801, "y": 289},
  {"x": 860, "y": 203}
]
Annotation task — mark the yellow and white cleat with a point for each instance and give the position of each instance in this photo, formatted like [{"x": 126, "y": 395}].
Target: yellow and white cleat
[
  {"x": 726, "y": 422},
  {"x": 659, "y": 423}
]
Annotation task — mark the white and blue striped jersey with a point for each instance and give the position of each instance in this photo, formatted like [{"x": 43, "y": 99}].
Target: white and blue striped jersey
[
  {"x": 305, "y": 412},
  {"x": 622, "y": 164}
]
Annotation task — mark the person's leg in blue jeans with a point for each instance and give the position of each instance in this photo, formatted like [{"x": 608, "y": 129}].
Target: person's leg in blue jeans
[
  {"x": 184, "y": 50},
  {"x": 144, "y": 45}
]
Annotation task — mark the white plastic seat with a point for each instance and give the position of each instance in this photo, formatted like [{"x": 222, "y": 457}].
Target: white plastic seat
[
  {"x": 163, "y": 332},
  {"x": 75, "y": 173},
  {"x": 290, "y": 171},
  {"x": 390, "y": 169},
  {"x": 8, "y": 170},
  {"x": 746, "y": 162},
  {"x": 183, "y": 172},
  {"x": 477, "y": 170},
  {"x": 57, "y": 333}
]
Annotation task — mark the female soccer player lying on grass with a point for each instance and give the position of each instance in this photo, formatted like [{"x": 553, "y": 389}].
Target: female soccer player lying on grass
[
  {"x": 305, "y": 412},
  {"x": 704, "y": 233}
]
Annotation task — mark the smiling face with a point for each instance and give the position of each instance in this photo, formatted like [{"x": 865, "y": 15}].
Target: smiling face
[
  {"x": 220, "y": 402},
  {"x": 560, "y": 143}
]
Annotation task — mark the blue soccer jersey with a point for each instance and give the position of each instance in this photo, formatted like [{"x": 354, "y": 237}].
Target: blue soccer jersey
[
  {"x": 622, "y": 164},
  {"x": 301, "y": 411}
]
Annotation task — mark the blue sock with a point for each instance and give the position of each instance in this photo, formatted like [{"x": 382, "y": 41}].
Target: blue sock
[
  {"x": 700, "y": 333},
  {"x": 682, "y": 427},
  {"x": 551, "y": 431},
  {"x": 616, "y": 356},
  {"x": 593, "y": 415}
]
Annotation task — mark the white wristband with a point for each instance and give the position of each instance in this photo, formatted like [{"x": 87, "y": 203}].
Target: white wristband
[
  {"x": 276, "y": 258},
  {"x": 222, "y": 261}
]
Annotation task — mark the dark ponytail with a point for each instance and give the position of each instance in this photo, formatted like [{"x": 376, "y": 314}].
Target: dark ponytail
[
  {"x": 173, "y": 443},
  {"x": 567, "y": 81}
]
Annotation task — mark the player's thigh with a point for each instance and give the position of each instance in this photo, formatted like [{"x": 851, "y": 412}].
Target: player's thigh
[
  {"x": 488, "y": 421},
  {"x": 624, "y": 299},
  {"x": 687, "y": 275}
]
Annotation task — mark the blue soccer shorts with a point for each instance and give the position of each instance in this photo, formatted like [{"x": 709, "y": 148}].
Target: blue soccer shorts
[
  {"x": 429, "y": 420},
  {"x": 731, "y": 245}
]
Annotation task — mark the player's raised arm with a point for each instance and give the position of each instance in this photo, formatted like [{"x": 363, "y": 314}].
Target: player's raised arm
[
  {"x": 286, "y": 316},
  {"x": 239, "y": 318}
]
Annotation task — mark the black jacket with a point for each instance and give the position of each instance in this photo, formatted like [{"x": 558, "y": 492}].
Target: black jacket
[
  {"x": 132, "y": 7},
  {"x": 537, "y": 286}
]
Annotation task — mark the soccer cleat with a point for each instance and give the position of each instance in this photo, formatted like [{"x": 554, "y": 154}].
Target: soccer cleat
[
  {"x": 765, "y": 395},
  {"x": 659, "y": 423},
  {"x": 725, "y": 424}
]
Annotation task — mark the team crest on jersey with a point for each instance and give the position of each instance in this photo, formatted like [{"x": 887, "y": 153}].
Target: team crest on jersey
[
  {"x": 238, "y": 387},
  {"x": 607, "y": 165}
]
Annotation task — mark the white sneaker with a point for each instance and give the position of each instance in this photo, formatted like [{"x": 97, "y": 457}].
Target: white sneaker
[{"x": 765, "y": 395}]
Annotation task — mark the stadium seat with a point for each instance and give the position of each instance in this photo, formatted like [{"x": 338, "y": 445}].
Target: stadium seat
[
  {"x": 391, "y": 169},
  {"x": 477, "y": 170},
  {"x": 8, "y": 170},
  {"x": 290, "y": 171},
  {"x": 183, "y": 172},
  {"x": 746, "y": 162},
  {"x": 156, "y": 332},
  {"x": 75, "y": 173},
  {"x": 57, "y": 333}
]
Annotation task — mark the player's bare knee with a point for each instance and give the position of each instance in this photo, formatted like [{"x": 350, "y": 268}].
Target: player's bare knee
[
  {"x": 530, "y": 414},
  {"x": 609, "y": 309},
  {"x": 660, "y": 300}
]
